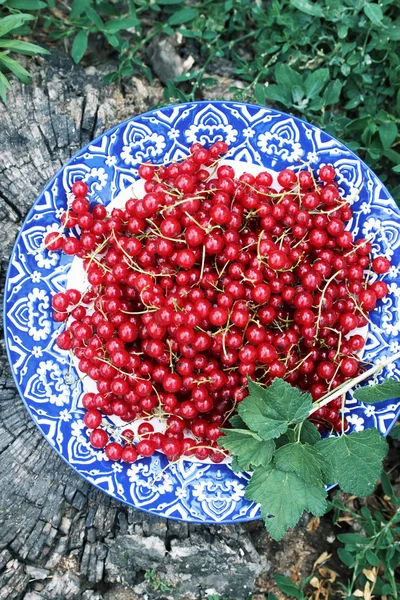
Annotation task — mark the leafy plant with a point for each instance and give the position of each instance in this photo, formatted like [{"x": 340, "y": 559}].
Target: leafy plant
[
  {"x": 156, "y": 583},
  {"x": 373, "y": 554},
  {"x": 291, "y": 464},
  {"x": 289, "y": 588},
  {"x": 13, "y": 25}
]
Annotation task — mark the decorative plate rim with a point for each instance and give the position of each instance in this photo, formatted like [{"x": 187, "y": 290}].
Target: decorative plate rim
[{"x": 31, "y": 212}]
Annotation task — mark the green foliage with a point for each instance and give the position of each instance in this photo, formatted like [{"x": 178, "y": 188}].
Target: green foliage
[
  {"x": 377, "y": 545},
  {"x": 12, "y": 24},
  {"x": 387, "y": 390},
  {"x": 156, "y": 583},
  {"x": 291, "y": 589},
  {"x": 371, "y": 556},
  {"x": 335, "y": 63},
  {"x": 291, "y": 464}
]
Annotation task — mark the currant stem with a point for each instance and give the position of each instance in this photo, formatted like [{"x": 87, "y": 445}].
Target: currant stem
[{"x": 353, "y": 382}]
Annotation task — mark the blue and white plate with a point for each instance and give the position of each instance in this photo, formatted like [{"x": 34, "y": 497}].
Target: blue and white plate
[{"x": 188, "y": 490}]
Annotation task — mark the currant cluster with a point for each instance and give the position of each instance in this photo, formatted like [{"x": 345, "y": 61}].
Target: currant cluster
[{"x": 205, "y": 281}]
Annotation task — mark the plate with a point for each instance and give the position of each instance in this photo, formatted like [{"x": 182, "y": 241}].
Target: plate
[{"x": 188, "y": 490}]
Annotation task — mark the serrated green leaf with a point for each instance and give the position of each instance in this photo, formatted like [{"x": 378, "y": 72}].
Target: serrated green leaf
[
  {"x": 354, "y": 460},
  {"x": 116, "y": 25},
  {"x": 235, "y": 465},
  {"x": 287, "y": 77},
  {"x": 14, "y": 66},
  {"x": 374, "y": 13},
  {"x": 302, "y": 459},
  {"x": 12, "y": 22},
  {"x": 78, "y": 7},
  {"x": 308, "y": 7},
  {"x": 26, "y": 4},
  {"x": 287, "y": 586},
  {"x": 79, "y": 45},
  {"x": 395, "y": 432},
  {"x": 369, "y": 394},
  {"x": 22, "y": 47},
  {"x": 315, "y": 82},
  {"x": 249, "y": 449},
  {"x": 269, "y": 411},
  {"x": 309, "y": 433},
  {"x": 388, "y": 134},
  {"x": 332, "y": 92},
  {"x": 237, "y": 422},
  {"x": 283, "y": 498},
  {"x": 278, "y": 93},
  {"x": 183, "y": 16}
]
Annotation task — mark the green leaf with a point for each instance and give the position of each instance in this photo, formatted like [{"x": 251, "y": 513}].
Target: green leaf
[
  {"x": 283, "y": 498},
  {"x": 183, "y": 16},
  {"x": 287, "y": 586},
  {"x": 369, "y": 394},
  {"x": 78, "y": 7},
  {"x": 297, "y": 94},
  {"x": 4, "y": 86},
  {"x": 345, "y": 557},
  {"x": 396, "y": 169},
  {"x": 13, "y": 66},
  {"x": 237, "y": 422},
  {"x": 308, "y": 7},
  {"x": 352, "y": 538},
  {"x": 249, "y": 449},
  {"x": 388, "y": 134},
  {"x": 259, "y": 93},
  {"x": 119, "y": 24},
  {"x": 395, "y": 433},
  {"x": 372, "y": 558},
  {"x": 354, "y": 460},
  {"x": 386, "y": 485},
  {"x": 94, "y": 17},
  {"x": 332, "y": 92},
  {"x": 271, "y": 596},
  {"x": 278, "y": 93},
  {"x": 309, "y": 433},
  {"x": 269, "y": 411},
  {"x": 374, "y": 13},
  {"x": 12, "y": 22},
  {"x": 315, "y": 82},
  {"x": 79, "y": 45},
  {"x": 287, "y": 77},
  {"x": 167, "y": 2},
  {"x": 22, "y": 47},
  {"x": 26, "y": 4},
  {"x": 302, "y": 459},
  {"x": 392, "y": 31}
]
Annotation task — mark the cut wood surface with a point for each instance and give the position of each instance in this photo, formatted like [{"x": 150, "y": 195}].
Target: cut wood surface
[{"x": 60, "y": 538}]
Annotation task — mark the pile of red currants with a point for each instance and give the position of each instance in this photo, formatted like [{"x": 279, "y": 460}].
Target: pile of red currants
[{"x": 205, "y": 281}]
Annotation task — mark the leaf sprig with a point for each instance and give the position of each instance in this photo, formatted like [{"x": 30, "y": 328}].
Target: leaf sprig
[{"x": 291, "y": 464}]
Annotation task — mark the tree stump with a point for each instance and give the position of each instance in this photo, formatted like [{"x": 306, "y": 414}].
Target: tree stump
[{"x": 59, "y": 536}]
